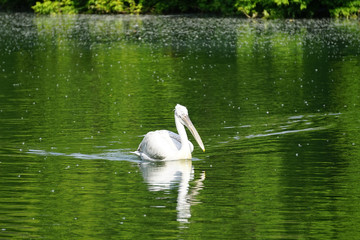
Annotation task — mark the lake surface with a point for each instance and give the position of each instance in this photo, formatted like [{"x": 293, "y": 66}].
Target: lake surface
[{"x": 275, "y": 102}]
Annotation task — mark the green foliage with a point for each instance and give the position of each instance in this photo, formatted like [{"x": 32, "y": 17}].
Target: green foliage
[
  {"x": 114, "y": 6},
  {"x": 350, "y": 9},
  {"x": 248, "y": 8},
  {"x": 90, "y": 6},
  {"x": 55, "y": 7},
  {"x": 272, "y": 8},
  {"x": 298, "y": 8}
]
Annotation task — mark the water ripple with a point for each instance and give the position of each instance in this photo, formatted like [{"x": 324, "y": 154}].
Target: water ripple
[{"x": 112, "y": 155}]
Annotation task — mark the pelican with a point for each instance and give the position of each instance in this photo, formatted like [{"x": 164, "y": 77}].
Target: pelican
[{"x": 166, "y": 145}]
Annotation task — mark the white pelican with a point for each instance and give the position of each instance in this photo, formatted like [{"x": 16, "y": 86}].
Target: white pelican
[{"x": 166, "y": 145}]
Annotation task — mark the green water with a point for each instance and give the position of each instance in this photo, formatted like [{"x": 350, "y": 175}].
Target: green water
[{"x": 275, "y": 102}]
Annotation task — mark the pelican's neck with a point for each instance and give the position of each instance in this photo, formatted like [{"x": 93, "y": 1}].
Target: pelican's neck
[{"x": 185, "y": 147}]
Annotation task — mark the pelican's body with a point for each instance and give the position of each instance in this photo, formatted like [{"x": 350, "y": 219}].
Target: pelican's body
[{"x": 166, "y": 145}]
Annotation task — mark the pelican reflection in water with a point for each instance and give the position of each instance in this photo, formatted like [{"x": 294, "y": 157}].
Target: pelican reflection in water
[
  {"x": 167, "y": 175},
  {"x": 166, "y": 145}
]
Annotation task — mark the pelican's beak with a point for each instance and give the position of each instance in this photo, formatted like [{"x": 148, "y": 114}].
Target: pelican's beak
[{"x": 193, "y": 131}]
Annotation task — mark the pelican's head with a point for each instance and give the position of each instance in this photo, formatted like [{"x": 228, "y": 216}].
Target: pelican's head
[
  {"x": 181, "y": 110},
  {"x": 182, "y": 114}
]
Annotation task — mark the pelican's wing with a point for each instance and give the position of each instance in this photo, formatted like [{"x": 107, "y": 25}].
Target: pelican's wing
[
  {"x": 158, "y": 145},
  {"x": 176, "y": 138}
]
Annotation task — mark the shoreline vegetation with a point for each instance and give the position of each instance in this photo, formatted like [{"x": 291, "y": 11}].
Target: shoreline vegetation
[{"x": 244, "y": 8}]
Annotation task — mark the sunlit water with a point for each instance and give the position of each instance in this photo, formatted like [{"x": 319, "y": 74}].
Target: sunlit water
[{"x": 275, "y": 102}]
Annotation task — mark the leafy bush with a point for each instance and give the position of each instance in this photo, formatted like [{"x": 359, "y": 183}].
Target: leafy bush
[
  {"x": 54, "y": 7},
  {"x": 273, "y": 8},
  {"x": 114, "y": 6},
  {"x": 91, "y": 6},
  {"x": 346, "y": 9},
  {"x": 298, "y": 8},
  {"x": 248, "y": 8}
]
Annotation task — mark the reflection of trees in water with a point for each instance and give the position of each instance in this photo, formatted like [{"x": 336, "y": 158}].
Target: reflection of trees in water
[{"x": 163, "y": 176}]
